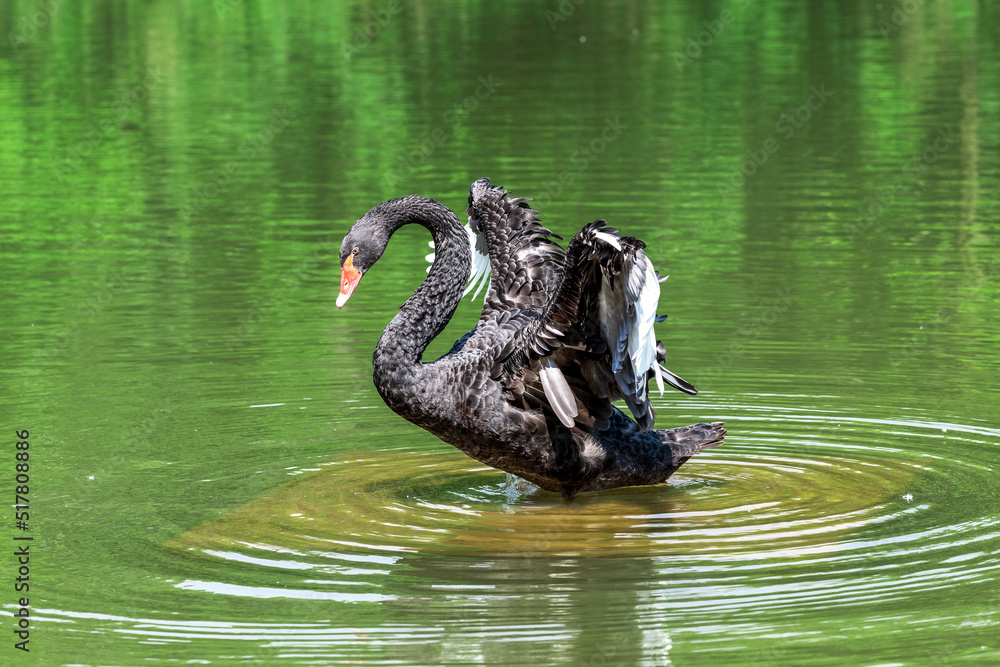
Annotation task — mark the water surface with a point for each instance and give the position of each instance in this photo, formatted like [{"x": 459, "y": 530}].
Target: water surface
[{"x": 214, "y": 479}]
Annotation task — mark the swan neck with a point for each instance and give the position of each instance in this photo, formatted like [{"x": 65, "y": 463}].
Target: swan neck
[{"x": 425, "y": 314}]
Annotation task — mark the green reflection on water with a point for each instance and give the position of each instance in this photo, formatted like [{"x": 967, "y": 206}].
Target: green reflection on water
[{"x": 176, "y": 178}]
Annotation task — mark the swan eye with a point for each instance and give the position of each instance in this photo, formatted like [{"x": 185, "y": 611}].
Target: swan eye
[{"x": 354, "y": 251}]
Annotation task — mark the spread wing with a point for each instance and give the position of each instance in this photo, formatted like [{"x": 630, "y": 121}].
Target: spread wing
[
  {"x": 594, "y": 341},
  {"x": 525, "y": 262}
]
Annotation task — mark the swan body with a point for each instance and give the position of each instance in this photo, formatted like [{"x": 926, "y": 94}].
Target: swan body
[{"x": 562, "y": 334}]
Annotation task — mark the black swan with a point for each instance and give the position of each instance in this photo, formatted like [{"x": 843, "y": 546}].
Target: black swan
[{"x": 562, "y": 334}]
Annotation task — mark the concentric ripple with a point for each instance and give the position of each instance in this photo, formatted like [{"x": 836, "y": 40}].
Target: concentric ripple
[
  {"x": 789, "y": 484},
  {"x": 848, "y": 520}
]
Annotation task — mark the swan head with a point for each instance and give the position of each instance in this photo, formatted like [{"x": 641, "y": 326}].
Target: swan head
[
  {"x": 361, "y": 248},
  {"x": 368, "y": 237}
]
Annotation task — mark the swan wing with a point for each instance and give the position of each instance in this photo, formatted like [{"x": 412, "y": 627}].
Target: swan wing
[
  {"x": 525, "y": 262},
  {"x": 598, "y": 330}
]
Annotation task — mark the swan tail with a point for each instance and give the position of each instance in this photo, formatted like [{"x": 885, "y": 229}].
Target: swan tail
[{"x": 686, "y": 441}]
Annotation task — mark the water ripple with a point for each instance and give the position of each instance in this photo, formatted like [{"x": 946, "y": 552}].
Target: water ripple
[{"x": 806, "y": 510}]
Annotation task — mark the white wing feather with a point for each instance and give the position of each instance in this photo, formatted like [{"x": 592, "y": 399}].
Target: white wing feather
[
  {"x": 609, "y": 239},
  {"x": 480, "y": 263},
  {"x": 642, "y": 338},
  {"x": 558, "y": 392},
  {"x": 480, "y": 275},
  {"x": 641, "y": 345}
]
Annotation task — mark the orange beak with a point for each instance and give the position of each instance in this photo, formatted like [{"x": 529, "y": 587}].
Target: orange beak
[{"x": 349, "y": 279}]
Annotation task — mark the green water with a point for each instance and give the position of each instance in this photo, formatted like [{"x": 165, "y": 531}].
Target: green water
[{"x": 213, "y": 479}]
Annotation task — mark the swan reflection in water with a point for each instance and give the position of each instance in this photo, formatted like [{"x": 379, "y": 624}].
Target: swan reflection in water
[{"x": 562, "y": 334}]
